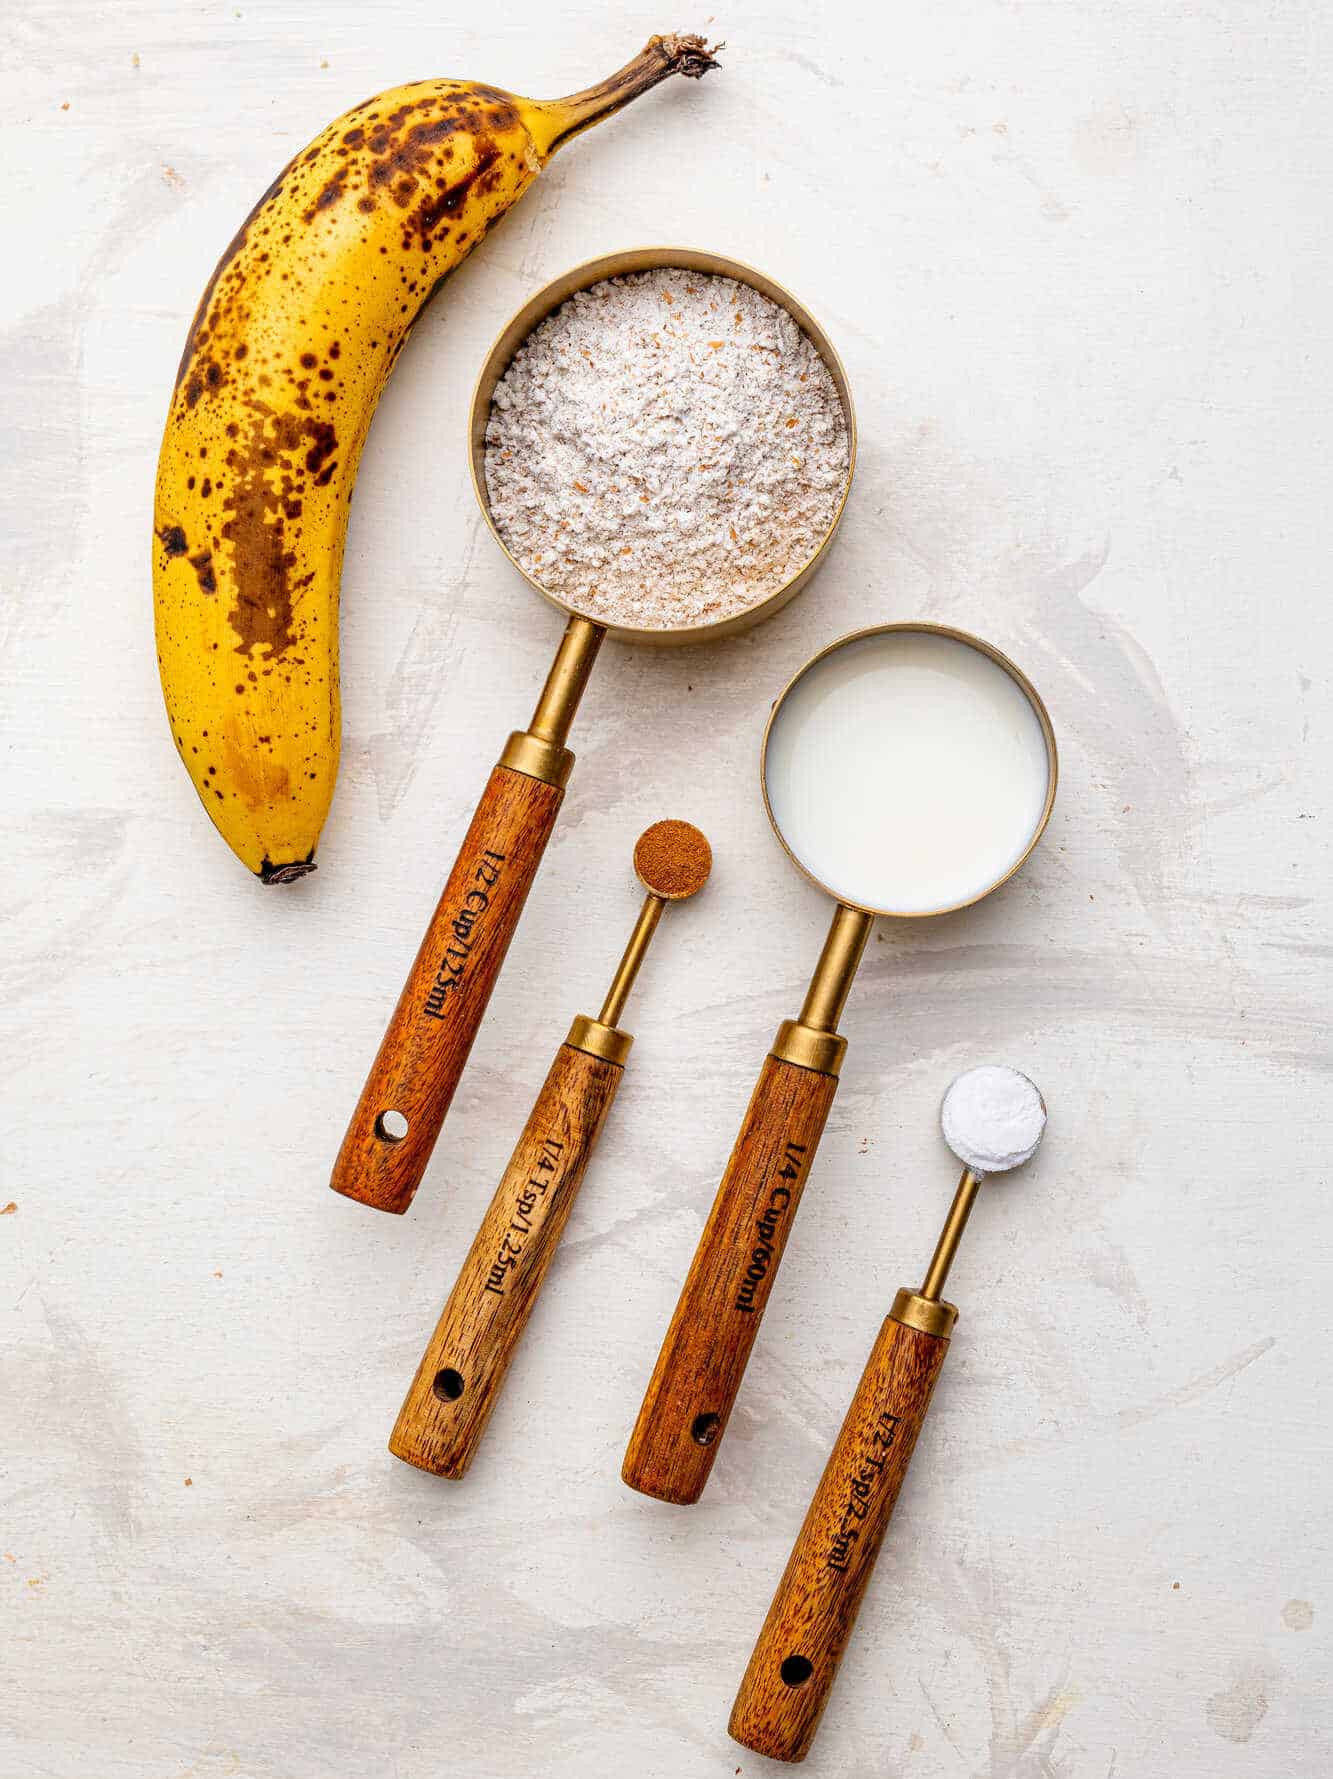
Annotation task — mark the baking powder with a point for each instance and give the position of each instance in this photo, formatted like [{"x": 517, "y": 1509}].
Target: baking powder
[
  {"x": 992, "y": 1118},
  {"x": 667, "y": 449}
]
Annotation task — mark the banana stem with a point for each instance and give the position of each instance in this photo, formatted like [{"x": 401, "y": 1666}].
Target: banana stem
[{"x": 658, "y": 60}]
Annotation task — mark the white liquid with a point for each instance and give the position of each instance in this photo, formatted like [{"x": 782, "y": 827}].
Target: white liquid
[{"x": 907, "y": 772}]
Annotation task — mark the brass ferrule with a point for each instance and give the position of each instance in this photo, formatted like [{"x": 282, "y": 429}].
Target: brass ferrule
[
  {"x": 809, "y": 1049},
  {"x": 928, "y": 1314},
  {"x": 535, "y": 758},
  {"x": 539, "y": 751},
  {"x": 950, "y": 1236},
  {"x": 599, "y": 1040}
]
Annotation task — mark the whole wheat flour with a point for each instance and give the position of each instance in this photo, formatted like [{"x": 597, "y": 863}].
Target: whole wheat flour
[{"x": 666, "y": 449}]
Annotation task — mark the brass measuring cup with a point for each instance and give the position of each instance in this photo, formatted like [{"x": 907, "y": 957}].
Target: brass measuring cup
[
  {"x": 430, "y": 1034},
  {"x": 707, "y": 1345}
]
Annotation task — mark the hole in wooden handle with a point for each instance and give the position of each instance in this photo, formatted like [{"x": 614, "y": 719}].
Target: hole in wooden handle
[
  {"x": 796, "y": 1670},
  {"x": 391, "y": 1126},
  {"x": 704, "y": 1429},
  {"x": 448, "y": 1385}
]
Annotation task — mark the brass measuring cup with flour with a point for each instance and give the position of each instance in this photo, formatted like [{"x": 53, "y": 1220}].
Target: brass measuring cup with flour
[
  {"x": 908, "y": 770},
  {"x": 708, "y": 369}
]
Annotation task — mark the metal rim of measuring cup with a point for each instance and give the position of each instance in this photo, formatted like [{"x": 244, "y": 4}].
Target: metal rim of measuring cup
[
  {"x": 615, "y": 265},
  {"x": 1024, "y": 685}
]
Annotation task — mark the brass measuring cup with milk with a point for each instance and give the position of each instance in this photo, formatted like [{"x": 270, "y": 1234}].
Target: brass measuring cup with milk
[
  {"x": 908, "y": 770},
  {"x": 410, "y": 1086}
]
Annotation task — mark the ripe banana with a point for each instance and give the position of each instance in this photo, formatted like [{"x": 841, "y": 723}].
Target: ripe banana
[{"x": 290, "y": 347}]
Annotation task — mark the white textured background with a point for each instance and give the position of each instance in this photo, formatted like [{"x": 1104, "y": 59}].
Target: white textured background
[{"x": 1074, "y": 255}]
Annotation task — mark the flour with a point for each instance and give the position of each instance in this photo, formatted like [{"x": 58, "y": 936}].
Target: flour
[
  {"x": 992, "y": 1118},
  {"x": 666, "y": 449}
]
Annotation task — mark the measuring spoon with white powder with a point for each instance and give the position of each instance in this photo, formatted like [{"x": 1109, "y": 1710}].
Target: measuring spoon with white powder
[
  {"x": 662, "y": 442},
  {"x": 993, "y": 1119},
  {"x": 908, "y": 770}
]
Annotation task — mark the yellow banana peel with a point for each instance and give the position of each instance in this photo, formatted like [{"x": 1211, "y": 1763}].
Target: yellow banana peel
[{"x": 291, "y": 345}]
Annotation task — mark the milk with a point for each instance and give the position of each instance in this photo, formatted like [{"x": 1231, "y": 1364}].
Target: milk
[{"x": 907, "y": 772}]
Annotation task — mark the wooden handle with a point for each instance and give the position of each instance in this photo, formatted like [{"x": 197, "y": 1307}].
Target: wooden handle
[
  {"x": 707, "y": 1346},
  {"x": 458, "y": 1381},
  {"x": 425, "y": 1049},
  {"x": 786, "y": 1685}
]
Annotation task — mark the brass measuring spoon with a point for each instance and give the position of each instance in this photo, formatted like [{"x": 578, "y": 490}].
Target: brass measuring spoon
[
  {"x": 461, "y": 1373},
  {"x": 425, "y": 1048},
  {"x": 790, "y": 1674},
  {"x": 707, "y": 1345}
]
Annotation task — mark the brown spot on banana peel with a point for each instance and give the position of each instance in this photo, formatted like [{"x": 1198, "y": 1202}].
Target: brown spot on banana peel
[
  {"x": 202, "y": 564},
  {"x": 450, "y": 199},
  {"x": 266, "y": 472},
  {"x": 329, "y": 194}
]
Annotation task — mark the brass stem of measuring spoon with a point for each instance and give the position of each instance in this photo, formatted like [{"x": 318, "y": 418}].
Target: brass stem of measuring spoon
[
  {"x": 952, "y": 1233},
  {"x": 623, "y": 981},
  {"x": 539, "y": 750}
]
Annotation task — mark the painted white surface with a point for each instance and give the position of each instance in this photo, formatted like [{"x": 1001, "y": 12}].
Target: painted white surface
[{"x": 1075, "y": 257}]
